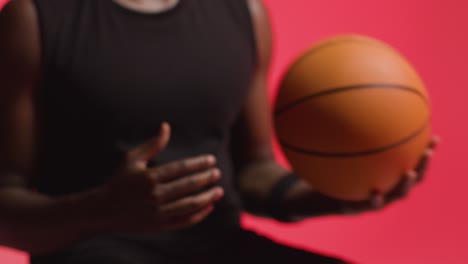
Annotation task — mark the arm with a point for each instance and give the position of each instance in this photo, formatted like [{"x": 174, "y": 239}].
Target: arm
[
  {"x": 257, "y": 168},
  {"x": 162, "y": 198},
  {"x": 28, "y": 221}
]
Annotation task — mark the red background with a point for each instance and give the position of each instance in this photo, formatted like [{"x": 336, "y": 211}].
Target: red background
[{"x": 429, "y": 226}]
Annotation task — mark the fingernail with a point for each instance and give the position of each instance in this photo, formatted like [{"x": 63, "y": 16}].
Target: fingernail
[
  {"x": 216, "y": 173},
  {"x": 412, "y": 175},
  {"x": 377, "y": 200},
  {"x": 211, "y": 159},
  {"x": 434, "y": 141},
  {"x": 161, "y": 128},
  {"x": 428, "y": 152},
  {"x": 220, "y": 192},
  {"x": 377, "y": 203}
]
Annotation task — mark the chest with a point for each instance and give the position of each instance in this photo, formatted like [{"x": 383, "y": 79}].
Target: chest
[{"x": 129, "y": 76}]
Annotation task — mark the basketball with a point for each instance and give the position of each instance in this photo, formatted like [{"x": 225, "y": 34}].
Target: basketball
[{"x": 351, "y": 116}]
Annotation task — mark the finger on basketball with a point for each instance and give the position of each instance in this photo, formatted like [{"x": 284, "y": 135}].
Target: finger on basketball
[
  {"x": 423, "y": 163},
  {"x": 435, "y": 141},
  {"x": 377, "y": 200},
  {"x": 403, "y": 187}
]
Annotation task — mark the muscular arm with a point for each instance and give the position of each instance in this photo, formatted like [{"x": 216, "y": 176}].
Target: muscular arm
[
  {"x": 254, "y": 154},
  {"x": 28, "y": 221}
]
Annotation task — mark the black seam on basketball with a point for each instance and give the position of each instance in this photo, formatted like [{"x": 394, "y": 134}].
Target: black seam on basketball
[
  {"x": 347, "y": 88},
  {"x": 355, "y": 154}
]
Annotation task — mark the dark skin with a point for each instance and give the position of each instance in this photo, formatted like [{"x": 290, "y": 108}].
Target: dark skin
[{"x": 161, "y": 198}]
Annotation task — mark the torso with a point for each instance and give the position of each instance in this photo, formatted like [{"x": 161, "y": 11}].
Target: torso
[{"x": 113, "y": 74}]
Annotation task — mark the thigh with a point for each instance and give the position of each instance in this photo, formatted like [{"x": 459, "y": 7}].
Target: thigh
[
  {"x": 249, "y": 247},
  {"x": 105, "y": 250}
]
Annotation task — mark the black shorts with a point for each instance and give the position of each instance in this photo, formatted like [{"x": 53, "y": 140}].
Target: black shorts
[{"x": 242, "y": 247}]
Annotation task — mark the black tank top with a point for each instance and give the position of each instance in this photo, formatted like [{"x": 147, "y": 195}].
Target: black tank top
[{"x": 112, "y": 75}]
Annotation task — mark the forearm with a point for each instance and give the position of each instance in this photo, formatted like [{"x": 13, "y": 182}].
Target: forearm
[
  {"x": 39, "y": 224},
  {"x": 300, "y": 201},
  {"x": 256, "y": 181}
]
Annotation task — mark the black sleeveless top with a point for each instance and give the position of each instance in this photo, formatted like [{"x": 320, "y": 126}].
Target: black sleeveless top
[{"x": 112, "y": 75}]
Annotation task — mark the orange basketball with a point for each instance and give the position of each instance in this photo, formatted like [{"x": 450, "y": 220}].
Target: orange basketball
[{"x": 351, "y": 116}]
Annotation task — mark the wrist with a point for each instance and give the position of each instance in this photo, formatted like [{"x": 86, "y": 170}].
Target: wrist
[
  {"x": 278, "y": 199},
  {"x": 87, "y": 210},
  {"x": 303, "y": 201},
  {"x": 41, "y": 224}
]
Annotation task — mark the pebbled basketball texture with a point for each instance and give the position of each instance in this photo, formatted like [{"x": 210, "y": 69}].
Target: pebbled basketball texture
[{"x": 351, "y": 116}]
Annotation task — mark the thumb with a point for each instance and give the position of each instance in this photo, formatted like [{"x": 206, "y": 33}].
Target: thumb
[{"x": 152, "y": 147}]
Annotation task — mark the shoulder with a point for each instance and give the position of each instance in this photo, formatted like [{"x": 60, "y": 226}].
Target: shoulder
[
  {"x": 257, "y": 7},
  {"x": 262, "y": 29},
  {"x": 259, "y": 14},
  {"x": 18, "y": 9},
  {"x": 19, "y": 31}
]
